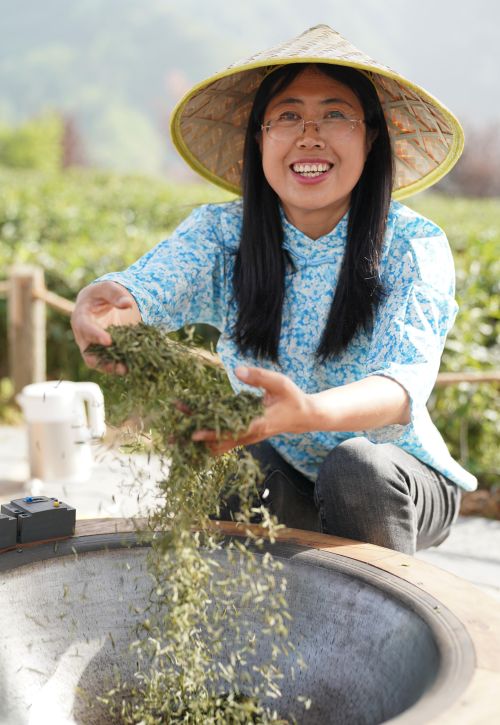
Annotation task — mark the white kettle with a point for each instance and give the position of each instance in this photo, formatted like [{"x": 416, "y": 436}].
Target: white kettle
[{"x": 62, "y": 419}]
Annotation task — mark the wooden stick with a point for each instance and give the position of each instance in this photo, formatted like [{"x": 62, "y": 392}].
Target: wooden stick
[
  {"x": 492, "y": 376},
  {"x": 53, "y": 300}
]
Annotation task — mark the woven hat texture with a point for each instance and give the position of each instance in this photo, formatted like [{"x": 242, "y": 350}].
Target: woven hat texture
[{"x": 208, "y": 124}]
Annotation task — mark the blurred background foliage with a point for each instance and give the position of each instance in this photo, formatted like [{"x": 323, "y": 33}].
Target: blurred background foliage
[
  {"x": 117, "y": 67},
  {"x": 34, "y": 144},
  {"x": 78, "y": 223}
]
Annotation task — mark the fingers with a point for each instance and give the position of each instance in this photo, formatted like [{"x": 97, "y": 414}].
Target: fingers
[
  {"x": 219, "y": 447},
  {"x": 87, "y": 332},
  {"x": 208, "y": 436},
  {"x": 114, "y": 368},
  {"x": 219, "y": 444},
  {"x": 97, "y": 307},
  {"x": 183, "y": 408},
  {"x": 107, "y": 293},
  {"x": 91, "y": 361},
  {"x": 273, "y": 382},
  {"x": 119, "y": 297},
  {"x": 255, "y": 428}
]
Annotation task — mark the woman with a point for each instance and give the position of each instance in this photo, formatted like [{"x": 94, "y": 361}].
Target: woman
[{"x": 331, "y": 298}]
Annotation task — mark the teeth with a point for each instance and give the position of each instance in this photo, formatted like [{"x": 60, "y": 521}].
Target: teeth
[{"x": 311, "y": 169}]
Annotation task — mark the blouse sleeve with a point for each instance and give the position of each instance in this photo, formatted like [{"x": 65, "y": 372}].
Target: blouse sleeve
[
  {"x": 181, "y": 280},
  {"x": 413, "y": 321}
]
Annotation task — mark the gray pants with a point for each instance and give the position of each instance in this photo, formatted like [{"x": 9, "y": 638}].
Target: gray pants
[{"x": 376, "y": 493}]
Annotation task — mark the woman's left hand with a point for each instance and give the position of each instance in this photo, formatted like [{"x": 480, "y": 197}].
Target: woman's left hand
[{"x": 287, "y": 410}]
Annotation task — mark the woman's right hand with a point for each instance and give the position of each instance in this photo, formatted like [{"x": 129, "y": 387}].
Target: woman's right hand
[{"x": 97, "y": 307}]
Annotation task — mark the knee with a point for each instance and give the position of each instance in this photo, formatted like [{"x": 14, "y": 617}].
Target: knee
[
  {"x": 362, "y": 494},
  {"x": 354, "y": 471}
]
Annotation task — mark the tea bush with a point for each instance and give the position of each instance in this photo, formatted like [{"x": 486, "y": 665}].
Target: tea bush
[
  {"x": 77, "y": 226},
  {"x": 80, "y": 224},
  {"x": 467, "y": 415}
]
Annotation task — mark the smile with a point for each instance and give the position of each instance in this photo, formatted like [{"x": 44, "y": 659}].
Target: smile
[{"x": 311, "y": 170}]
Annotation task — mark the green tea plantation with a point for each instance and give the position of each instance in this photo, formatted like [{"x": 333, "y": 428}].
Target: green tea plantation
[{"x": 80, "y": 224}]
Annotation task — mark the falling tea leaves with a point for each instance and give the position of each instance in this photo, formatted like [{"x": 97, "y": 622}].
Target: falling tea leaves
[{"x": 205, "y": 592}]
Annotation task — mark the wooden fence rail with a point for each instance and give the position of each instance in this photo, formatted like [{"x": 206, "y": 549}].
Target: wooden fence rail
[{"x": 27, "y": 301}]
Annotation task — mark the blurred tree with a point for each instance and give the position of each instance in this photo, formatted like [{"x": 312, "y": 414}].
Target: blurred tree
[
  {"x": 73, "y": 149},
  {"x": 477, "y": 173},
  {"x": 35, "y": 144}
]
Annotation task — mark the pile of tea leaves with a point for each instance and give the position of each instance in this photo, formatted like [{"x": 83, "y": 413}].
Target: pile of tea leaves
[{"x": 206, "y": 593}]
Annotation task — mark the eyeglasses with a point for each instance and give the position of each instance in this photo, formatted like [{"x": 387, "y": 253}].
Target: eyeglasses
[{"x": 331, "y": 129}]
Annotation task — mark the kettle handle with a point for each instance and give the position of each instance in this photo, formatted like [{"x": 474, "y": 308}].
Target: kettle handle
[{"x": 91, "y": 394}]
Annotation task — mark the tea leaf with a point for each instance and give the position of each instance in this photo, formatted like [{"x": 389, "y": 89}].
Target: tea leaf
[{"x": 202, "y": 594}]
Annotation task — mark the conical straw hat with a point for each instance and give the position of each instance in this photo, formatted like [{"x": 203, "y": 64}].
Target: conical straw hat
[{"x": 208, "y": 124}]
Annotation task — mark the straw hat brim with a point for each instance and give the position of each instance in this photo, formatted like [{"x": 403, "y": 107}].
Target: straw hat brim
[{"x": 208, "y": 124}]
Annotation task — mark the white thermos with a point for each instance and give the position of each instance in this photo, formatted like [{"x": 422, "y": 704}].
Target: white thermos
[{"x": 62, "y": 419}]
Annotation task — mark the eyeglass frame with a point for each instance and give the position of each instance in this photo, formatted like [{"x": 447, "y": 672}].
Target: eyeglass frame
[{"x": 268, "y": 126}]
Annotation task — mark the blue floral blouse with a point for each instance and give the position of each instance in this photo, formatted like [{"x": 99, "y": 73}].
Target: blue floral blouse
[{"x": 187, "y": 279}]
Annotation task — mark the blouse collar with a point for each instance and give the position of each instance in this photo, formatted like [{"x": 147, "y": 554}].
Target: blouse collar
[{"x": 307, "y": 249}]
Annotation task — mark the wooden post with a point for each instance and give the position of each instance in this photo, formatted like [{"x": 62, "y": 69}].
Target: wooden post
[{"x": 26, "y": 326}]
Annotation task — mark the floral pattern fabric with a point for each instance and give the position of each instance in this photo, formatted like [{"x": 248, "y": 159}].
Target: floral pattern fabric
[{"x": 186, "y": 279}]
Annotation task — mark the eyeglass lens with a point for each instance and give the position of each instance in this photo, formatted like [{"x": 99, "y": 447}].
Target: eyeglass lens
[{"x": 328, "y": 128}]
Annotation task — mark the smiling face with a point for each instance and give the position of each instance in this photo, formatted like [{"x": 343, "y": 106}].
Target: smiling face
[{"x": 314, "y": 200}]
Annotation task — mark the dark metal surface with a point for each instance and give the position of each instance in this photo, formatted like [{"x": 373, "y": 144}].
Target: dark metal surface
[{"x": 376, "y": 648}]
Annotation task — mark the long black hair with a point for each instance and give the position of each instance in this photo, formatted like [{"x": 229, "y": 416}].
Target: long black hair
[{"x": 261, "y": 262}]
